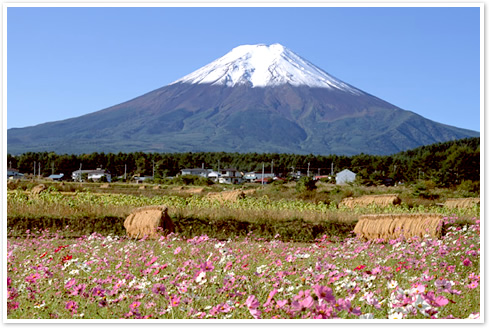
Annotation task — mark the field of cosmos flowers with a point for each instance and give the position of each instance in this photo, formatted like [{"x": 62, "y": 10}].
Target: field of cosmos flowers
[{"x": 111, "y": 277}]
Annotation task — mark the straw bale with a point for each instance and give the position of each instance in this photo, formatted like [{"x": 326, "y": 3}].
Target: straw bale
[
  {"x": 38, "y": 189},
  {"x": 156, "y": 187},
  {"x": 392, "y": 226},
  {"x": 142, "y": 187},
  {"x": 194, "y": 190},
  {"x": 461, "y": 202},
  {"x": 231, "y": 196},
  {"x": 145, "y": 221},
  {"x": 105, "y": 185},
  {"x": 249, "y": 192},
  {"x": 379, "y": 200}
]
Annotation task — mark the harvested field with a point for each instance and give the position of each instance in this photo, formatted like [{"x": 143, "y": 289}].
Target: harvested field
[
  {"x": 461, "y": 202},
  {"x": 379, "y": 200},
  {"x": 232, "y": 195},
  {"x": 392, "y": 226}
]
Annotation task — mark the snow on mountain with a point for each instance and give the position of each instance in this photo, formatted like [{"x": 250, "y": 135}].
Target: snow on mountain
[{"x": 262, "y": 66}]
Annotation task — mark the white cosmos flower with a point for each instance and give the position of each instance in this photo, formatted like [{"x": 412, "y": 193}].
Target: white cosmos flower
[
  {"x": 392, "y": 284},
  {"x": 421, "y": 305},
  {"x": 396, "y": 315},
  {"x": 201, "y": 278}
]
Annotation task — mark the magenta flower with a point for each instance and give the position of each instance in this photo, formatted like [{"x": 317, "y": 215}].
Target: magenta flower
[
  {"x": 134, "y": 305},
  {"x": 159, "y": 289},
  {"x": 32, "y": 278},
  {"x": 324, "y": 293},
  {"x": 467, "y": 262},
  {"x": 473, "y": 284},
  {"x": 174, "y": 300},
  {"x": 207, "y": 266},
  {"x": 177, "y": 250},
  {"x": 97, "y": 291},
  {"x": 252, "y": 302},
  {"x": 72, "y": 306}
]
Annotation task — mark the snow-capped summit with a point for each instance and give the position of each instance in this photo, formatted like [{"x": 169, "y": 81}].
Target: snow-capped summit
[{"x": 264, "y": 65}]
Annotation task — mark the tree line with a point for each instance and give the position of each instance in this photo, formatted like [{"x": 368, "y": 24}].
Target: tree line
[{"x": 446, "y": 164}]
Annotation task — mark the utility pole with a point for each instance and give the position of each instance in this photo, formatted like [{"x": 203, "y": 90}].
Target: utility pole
[
  {"x": 34, "y": 175},
  {"x": 10, "y": 164},
  {"x": 272, "y": 167},
  {"x": 80, "y": 172},
  {"x": 331, "y": 168},
  {"x": 39, "y": 172},
  {"x": 263, "y": 173},
  {"x": 308, "y": 165},
  {"x": 125, "y": 172},
  {"x": 52, "y": 168}
]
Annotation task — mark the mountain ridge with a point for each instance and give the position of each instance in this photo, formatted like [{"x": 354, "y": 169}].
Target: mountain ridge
[{"x": 243, "y": 114}]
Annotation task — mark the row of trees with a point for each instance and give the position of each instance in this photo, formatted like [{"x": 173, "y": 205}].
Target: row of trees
[{"x": 446, "y": 164}]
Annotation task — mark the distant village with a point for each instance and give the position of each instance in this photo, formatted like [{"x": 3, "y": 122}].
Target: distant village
[{"x": 223, "y": 176}]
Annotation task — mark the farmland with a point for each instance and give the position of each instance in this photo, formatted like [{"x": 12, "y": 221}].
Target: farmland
[{"x": 273, "y": 254}]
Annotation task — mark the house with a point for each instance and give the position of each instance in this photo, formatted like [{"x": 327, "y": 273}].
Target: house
[
  {"x": 345, "y": 176},
  {"x": 94, "y": 175},
  {"x": 199, "y": 172},
  {"x": 142, "y": 179},
  {"x": 230, "y": 176},
  {"x": 56, "y": 177},
  {"x": 319, "y": 177},
  {"x": 254, "y": 176},
  {"x": 14, "y": 174}
]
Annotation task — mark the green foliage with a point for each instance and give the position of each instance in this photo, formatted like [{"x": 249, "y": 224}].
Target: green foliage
[
  {"x": 193, "y": 180},
  {"x": 469, "y": 188},
  {"x": 447, "y": 164},
  {"x": 305, "y": 184},
  {"x": 424, "y": 189}
]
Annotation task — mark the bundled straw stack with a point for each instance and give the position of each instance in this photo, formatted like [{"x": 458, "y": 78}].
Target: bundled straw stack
[
  {"x": 231, "y": 196},
  {"x": 392, "y": 226},
  {"x": 146, "y": 221},
  {"x": 462, "y": 202},
  {"x": 38, "y": 189},
  {"x": 379, "y": 200}
]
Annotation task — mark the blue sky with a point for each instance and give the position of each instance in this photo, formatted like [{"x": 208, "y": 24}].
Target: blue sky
[{"x": 66, "y": 62}]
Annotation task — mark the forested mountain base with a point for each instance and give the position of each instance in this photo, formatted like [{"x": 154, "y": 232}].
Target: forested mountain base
[{"x": 445, "y": 164}]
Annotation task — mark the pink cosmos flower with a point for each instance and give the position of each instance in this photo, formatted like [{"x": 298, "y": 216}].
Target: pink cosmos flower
[
  {"x": 158, "y": 289},
  {"x": 72, "y": 306},
  {"x": 177, "y": 250},
  {"x": 32, "y": 278},
  {"x": 473, "y": 284},
  {"x": 252, "y": 302},
  {"x": 134, "y": 305},
  {"x": 467, "y": 262},
  {"x": 324, "y": 293},
  {"x": 174, "y": 300}
]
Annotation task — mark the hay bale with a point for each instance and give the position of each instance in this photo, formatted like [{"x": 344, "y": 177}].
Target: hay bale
[
  {"x": 393, "y": 226},
  {"x": 105, "y": 186},
  {"x": 462, "y": 202},
  {"x": 38, "y": 189},
  {"x": 194, "y": 190},
  {"x": 230, "y": 196},
  {"x": 156, "y": 187},
  {"x": 142, "y": 187},
  {"x": 249, "y": 192},
  {"x": 379, "y": 200},
  {"x": 145, "y": 221}
]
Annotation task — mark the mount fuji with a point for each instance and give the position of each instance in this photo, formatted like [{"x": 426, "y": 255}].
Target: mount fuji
[{"x": 256, "y": 98}]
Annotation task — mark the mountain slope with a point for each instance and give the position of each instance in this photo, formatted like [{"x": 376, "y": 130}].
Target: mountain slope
[{"x": 254, "y": 99}]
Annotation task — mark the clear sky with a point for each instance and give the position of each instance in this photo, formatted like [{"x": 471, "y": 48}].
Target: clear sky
[{"x": 66, "y": 62}]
